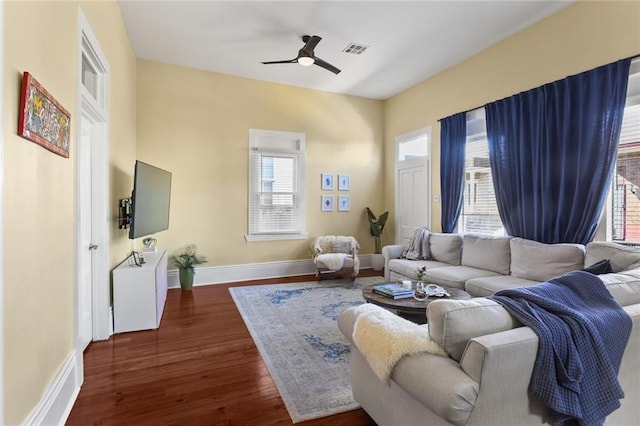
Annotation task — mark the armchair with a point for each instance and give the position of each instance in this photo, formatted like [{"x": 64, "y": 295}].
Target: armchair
[{"x": 336, "y": 253}]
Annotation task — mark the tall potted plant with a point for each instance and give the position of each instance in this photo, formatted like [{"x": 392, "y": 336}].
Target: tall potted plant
[
  {"x": 185, "y": 262},
  {"x": 376, "y": 226}
]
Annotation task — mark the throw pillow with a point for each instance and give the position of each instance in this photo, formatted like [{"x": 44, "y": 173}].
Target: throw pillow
[
  {"x": 621, "y": 257},
  {"x": 602, "y": 267}
]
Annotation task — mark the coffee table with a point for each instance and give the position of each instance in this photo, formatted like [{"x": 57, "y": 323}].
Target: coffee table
[{"x": 410, "y": 308}]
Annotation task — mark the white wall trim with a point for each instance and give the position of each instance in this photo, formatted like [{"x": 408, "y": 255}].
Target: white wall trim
[
  {"x": 58, "y": 400},
  {"x": 253, "y": 271},
  {"x": 2, "y": 295}
]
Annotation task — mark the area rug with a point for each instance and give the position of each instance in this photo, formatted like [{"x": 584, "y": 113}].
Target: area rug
[{"x": 296, "y": 331}]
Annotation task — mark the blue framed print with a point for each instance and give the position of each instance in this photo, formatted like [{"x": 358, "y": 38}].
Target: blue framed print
[{"x": 327, "y": 182}]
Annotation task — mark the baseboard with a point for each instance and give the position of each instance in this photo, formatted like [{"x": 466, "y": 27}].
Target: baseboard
[
  {"x": 57, "y": 401},
  {"x": 253, "y": 271}
]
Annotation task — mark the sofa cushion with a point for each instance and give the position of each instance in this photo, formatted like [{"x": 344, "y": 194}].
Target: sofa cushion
[
  {"x": 408, "y": 268},
  {"x": 455, "y": 276},
  {"x": 624, "y": 286},
  {"x": 486, "y": 252},
  {"x": 621, "y": 257},
  {"x": 446, "y": 248},
  {"x": 486, "y": 286},
  {"x": 453, "y": 322},
  {"x": 540, "y": 262}
]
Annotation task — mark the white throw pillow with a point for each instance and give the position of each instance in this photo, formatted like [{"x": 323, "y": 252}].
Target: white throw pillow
[
  {"x": 446, "y": 248},
  {"x": 621, "y": 257},
  {"x": 540, "y": 262},
  {"x": 488, "y": 253}
]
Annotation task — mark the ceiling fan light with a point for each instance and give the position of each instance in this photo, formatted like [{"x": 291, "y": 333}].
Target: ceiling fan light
[{"x": 305, "y": 61}]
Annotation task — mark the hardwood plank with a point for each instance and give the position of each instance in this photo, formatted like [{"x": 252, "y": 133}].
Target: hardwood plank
[{"x": 201, "y": 367}]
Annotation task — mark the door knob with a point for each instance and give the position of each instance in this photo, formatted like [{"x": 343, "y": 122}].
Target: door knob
[{"x": 93, "y": 246}]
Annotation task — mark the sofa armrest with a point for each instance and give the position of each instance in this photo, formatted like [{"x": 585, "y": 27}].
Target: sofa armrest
[
  {"x": 346, "y": 321},
  {"x": 391, "y": 252},
  {"x": 502, "y": 364}
]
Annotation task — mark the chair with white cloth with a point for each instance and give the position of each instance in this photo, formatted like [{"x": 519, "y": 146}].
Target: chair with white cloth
[{"x": 336, "y": 254}]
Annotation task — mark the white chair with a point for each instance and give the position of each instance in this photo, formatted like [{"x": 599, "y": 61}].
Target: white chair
[{"x": 336, "y": 254}]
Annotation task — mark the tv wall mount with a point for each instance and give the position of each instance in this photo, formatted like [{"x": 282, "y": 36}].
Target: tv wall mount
[{"x": 124, "y": 213}]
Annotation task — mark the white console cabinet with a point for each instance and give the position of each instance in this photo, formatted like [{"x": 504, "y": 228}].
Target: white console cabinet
[{"x": 139, "y": 293}]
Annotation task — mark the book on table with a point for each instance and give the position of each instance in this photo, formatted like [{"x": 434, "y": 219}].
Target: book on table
[{"x": 392, "y": 290}]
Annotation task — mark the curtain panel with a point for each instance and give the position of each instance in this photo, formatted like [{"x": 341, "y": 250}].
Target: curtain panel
[
  {"x": 552, "y": 151},
  {"x": 453, "y": 135}
]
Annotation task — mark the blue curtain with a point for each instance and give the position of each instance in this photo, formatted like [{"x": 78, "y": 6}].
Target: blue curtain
[
  {"x": 453, "y": 134},
  {"x": 552, "y": 151}
]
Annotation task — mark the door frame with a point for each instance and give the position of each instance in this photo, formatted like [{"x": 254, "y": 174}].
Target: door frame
[
  {"x": 426, "y": 162},
  {"x": 2, "y": 212},
  {"x": 95, "y": 109}
]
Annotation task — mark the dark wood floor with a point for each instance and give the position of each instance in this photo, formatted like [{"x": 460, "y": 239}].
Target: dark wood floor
[{"x": 200, "y": 367}]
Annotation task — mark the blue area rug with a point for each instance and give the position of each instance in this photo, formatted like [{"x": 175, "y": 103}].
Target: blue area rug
[{"x": 295, "y": 329}]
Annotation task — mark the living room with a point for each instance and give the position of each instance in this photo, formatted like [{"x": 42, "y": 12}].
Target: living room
[{"x": 196, "y": 123}]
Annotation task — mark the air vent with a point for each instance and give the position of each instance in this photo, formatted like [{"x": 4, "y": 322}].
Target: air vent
[{"x": 355, "y": 49}]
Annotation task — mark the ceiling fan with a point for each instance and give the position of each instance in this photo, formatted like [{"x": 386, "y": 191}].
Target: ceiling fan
[{"x": 306, "y": 57}]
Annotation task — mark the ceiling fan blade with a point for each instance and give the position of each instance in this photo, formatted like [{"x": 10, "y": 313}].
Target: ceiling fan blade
[
  {"x": 311, "y": 43},
  {"x": 326, "y": 65},
  {"x": 289, "y": 61}
]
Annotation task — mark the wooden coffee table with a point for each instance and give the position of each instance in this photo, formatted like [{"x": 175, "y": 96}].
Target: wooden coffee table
[{"x": 410, "y": 308}]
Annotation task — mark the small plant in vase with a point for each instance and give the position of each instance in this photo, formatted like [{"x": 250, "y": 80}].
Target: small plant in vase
[
  {"x": 376, "y": 226},
  {"x": 185, "y": 262},
  {"x": 420, "y": 291}
]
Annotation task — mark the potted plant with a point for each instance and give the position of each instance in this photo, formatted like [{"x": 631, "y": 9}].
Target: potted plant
[
  {"x": 376, "y": 226},
  {"x": 185, "y": 262}
]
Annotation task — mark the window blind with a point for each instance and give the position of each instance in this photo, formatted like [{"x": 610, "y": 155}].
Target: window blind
[
  {"x": 625, "y": 217},
  {"x": 276, "y": 171},
  {"x": 479, "y": 209}
]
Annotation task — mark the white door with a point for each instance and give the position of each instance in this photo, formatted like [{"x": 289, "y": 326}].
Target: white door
[
  {"x": 412, "y": 184},
  {"x": 412, "y": 200},
  {"x": 92, "y": 319},
  {"x": 86, "y": 246}
]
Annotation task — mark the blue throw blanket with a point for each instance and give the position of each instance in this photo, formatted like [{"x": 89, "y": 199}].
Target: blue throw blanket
[{"x": 583, "y": 332}]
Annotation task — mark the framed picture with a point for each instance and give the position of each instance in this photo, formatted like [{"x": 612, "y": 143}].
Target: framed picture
[
  {"x": 343, "y": 183},
  {"x": 134, "y": 259},
  {"x": 42, "y": 119},
  {"x": 344, "y": 203},
  {"x": 327, "y": 203},
  {"x": 327, "y": 182}
]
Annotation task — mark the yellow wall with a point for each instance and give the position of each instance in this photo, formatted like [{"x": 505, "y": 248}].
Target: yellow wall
[
  {"x": 195, "y": 124},
  {"x": 39, "y": 188},
  {"x": 580, "y": 37}
]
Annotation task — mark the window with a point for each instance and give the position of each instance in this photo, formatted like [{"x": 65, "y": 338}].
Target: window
[
  {"x": 479, "y": 210},
  {"x": 276, "y": 185},
  {"x": 93, "y": 73},
  {"x": 624, "y": 217},
  {"x": 623, "y": 210},
  {"x": 413, "y": 146}
]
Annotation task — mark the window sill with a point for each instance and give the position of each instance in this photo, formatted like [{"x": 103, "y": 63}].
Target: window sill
[{"x": 275, "y": 237}]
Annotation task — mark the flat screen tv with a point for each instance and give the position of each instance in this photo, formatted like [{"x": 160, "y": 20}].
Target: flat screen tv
[{"x": 150, "y": 200}]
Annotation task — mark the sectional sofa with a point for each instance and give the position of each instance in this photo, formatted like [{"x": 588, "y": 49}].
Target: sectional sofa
[
  {"x": 485, "y": 378},
  {"x": 482, "y": 265}
]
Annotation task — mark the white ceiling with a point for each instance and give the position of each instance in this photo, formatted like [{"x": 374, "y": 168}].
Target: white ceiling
[{"x": 408, "y": 41}]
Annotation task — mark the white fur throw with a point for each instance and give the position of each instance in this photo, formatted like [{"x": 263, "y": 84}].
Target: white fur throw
[
  {"x": 333, "y": 261},
  {"x": 384, "y": 338}
]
